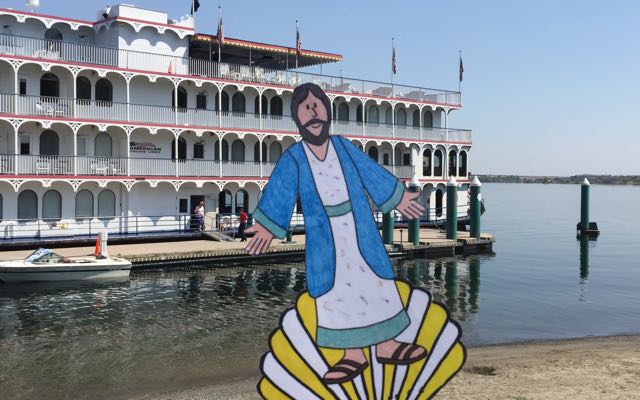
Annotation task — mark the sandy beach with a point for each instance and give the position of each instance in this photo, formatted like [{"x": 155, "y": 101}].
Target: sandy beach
[{"x": 593, "y": 368}]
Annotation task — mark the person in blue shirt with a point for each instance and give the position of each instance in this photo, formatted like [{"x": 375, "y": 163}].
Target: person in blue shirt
[{"x": 348, "y": 271}]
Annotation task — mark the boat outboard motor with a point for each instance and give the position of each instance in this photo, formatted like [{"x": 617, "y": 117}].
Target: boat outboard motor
[{"x": 103, "y": 237}]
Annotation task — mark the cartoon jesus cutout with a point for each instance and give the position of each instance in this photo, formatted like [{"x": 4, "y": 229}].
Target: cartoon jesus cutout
[{"x": 349, "y": 274}]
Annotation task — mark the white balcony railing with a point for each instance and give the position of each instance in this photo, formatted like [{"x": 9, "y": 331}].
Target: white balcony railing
[
  {"x": 152, "y": 62},
  {"x": 207, "y": 119},
  {"x": 401, "y": 171}
]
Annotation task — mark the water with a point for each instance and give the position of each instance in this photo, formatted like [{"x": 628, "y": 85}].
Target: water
[{"x": 162, "y": 331}]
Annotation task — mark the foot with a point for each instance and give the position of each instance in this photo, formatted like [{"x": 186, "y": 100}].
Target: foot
[
  {"x": 351, "y": 365},
  {"x": 398, "y": 353}
]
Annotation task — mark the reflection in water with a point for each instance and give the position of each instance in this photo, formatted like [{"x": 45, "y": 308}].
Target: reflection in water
[
  {"x": 584, "y": 258},
  {"x": 163, "y": 330}
]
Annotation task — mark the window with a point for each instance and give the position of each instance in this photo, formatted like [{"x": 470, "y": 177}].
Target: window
[
  {"x": 23, "y": 86},
  {"x": 25, "y": 145},
  {"x": 385, "y": 159},
  {"x": 388, "y": 115},
  {"x": 53, "y": 39},
  {"x": 256, "y": 152},
  {"x": 428, "y": 120},
  {"x": 401, "y": 117},
  {"x": 182, "y": 98},
  {"x": 453, "y": 163},
  {"x": 256, "y": 106},
  {"x": 359, "y": 113},
  {"x": 374, "y": 115},
  {"x": 103, "y": 145},
  {"x": 238, "y": 103},
  {"x": 182, "y": 149},
  {"x": 52, "y": 205},
  {"x": 224, "y": 202},
  {"x": 237, "y": 150},
  {"x": 426, "y": 163},
  {"x": 106, "y": 204},
  {"x": 225, "y": 102},
  {"x": 0, "y": 207},
  {"x": 201, "y": 101},
  {"x": 84, "y": 204},
  {"x": 83, "y": 88},
  {"x": 27, "y": 205},
  {"x": 437, "y": 163},
  {"x": 198, "y": 150},
  {"x": 416, "y": 119},
  {"x": 373, "y": 153},
  {"x": 49, "y": 143},
  {"x": 104, "y": 92},
  {"x": 406, "y": 159},
  {"x": 275, "y": 151},
  {"x": 343, "y": 112},
  {"x": 276, "y": 105},
  {"x": 183, "y": 206},
  {"x": 463, "y": 163},
  {"x": 49, "y": 85},
  {"x": 242, "y": 200},
  {"x": 225, "y": 151},
  {"x": 81, "y": 146}
]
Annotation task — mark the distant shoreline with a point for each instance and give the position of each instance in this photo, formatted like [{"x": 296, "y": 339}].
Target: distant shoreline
[{"x": 575, "y": 179}]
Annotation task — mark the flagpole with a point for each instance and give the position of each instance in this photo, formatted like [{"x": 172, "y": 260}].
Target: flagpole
[
  {"x": 297, "y": 39},
  {"x": 392, "y": 60},
  {"x": 459, "y": 76},
  {"x": 219, "y": 47}
]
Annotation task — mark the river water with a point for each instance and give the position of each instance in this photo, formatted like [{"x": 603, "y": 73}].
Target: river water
[{"x": 168, "y": 330}]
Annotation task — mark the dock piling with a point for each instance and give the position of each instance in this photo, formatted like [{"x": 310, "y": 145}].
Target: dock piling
[
  {"x": 452, "y": 209},
  {"x": 414, "y": 224},
  {"x": 475, "y": 207},
  {"x": 586, "y": 227},
  {"x": 387, "y": 228}
]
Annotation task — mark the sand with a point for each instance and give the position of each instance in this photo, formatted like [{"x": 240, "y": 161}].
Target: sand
[{"x": 594, "y": 368}]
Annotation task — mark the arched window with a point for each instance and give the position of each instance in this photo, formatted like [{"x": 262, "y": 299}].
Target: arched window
[
  {"x": 428, "y": 119},
  {"x": 359, "y": 113},
  {"x": 52, "y": 205},
  {"x": 374, "y": 115},
  {"x": 103, "y": 145},
  {"x": 225, "y": 151},
  {"x": 182, "y": 97},
  {"x": 224, "y": 202},
  {"x": 83, "y": 88},
  {"x": 343, "y": 112},
  {"x": 225, "y": 102},
  {"x": 53, "y": 39},
  {"x": 453, "y": 163},
  {"x": 84, "y": 204},
  {"x": 27, "y": 205},
  {"x": 237, "y": 150},
  {"x": 198, "y": 150},
  {"x": 242, "y": 200},
  {"x": 385, "y": 159},
  {"x": 49, "y": 143},
  {"x": 416, "y": 118},
  {"x": 238, "y": 103},
  {"x": 104, "y": 91},
  {"x": 275, "y": 151},
  {"x": 256, "y": 152},
  {"x": 439, "y": 196},
  {"x": 334, "y": 114},
  {"x": 276, "y": 105},
  {"x": 106, "y": 204},
  {"x": 49, "y": 85},
  {"x": 373, "y": 153},
  {"x": 388, "y": 114},
  {"x": 437, "y": 163},
  {"x": 401, "y": 117},
  {"x": 265, "y": 105},
  {"x": 182, "y": 149},
  {"x": 426, "y": 163},
  {"x": 462, "y": 164},
  {"x": 1, "y": 207}
]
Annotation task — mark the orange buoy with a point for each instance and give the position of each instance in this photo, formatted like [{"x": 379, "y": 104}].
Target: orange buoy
[{"x": 97, "y": 252}]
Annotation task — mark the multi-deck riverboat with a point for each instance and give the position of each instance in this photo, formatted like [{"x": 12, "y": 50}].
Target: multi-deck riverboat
[{"x": 127, "y": 122}]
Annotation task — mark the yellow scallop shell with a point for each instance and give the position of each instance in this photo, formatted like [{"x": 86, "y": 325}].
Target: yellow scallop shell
[{"x": 294, "y": 366}]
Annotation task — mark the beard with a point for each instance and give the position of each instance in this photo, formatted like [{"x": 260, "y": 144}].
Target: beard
[{"x": 315, "y": 139}]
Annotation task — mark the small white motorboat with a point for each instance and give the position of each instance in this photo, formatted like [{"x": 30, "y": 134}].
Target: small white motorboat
[{"x": 45, "y": 265}]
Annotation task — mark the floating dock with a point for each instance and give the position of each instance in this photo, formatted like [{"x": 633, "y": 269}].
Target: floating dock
[{"x": 159, "y": 255}]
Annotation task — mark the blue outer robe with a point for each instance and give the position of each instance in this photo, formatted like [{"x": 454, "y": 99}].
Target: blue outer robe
[{"x": 292, "y": 177}]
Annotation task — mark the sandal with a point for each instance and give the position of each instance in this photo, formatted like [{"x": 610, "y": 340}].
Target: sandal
[
  {"x": 402, "y": 355},
  {"x": 349, "y": 368}
]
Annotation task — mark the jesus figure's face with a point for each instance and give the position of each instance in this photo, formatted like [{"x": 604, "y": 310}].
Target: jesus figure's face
[{"x": 313, "y": 120}]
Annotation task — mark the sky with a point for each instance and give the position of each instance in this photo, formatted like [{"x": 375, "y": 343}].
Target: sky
[{"x": 550, "y": 87}]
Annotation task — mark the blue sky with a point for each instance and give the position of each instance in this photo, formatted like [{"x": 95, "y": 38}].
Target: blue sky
[{"x": 550, "y": 87}]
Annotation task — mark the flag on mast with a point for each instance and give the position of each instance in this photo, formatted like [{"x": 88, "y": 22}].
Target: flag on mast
[
  {"x": 220, "y": 34},
  {"x": 195, "y": 5},
  {"x": 461, "y": 66},
  {"x": 394, "y": 65},
  {"x": 298, "y": 40}
]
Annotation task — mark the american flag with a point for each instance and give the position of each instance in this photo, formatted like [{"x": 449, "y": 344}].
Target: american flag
[
  {"x": 298, "y": 40},
  {"x": 220, "y": 34},
  {"x": 461, "y": 67},
  {"x": 195, "y": 4},
  {"x": 394, "y": 65}
]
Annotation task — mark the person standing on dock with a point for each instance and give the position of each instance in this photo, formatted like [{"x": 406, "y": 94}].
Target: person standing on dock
[
  {"x": 349, "y": 274},
  {"x": 243, "y": 225},
  {"x": 199, "y": 213}
]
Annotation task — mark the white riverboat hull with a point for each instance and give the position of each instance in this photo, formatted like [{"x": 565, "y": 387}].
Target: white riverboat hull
[{"x": 78, "y": 269}]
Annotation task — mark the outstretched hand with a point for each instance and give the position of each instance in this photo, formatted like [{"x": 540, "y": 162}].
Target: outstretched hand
[
  {"x": 410, "y": 208},
  {"x": 260, "y": 241}
]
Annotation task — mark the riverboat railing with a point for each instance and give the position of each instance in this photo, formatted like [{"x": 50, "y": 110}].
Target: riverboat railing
[
  {"x": 47, "y": 165},
  {"x": 59, "y": 107},
  {"x": 23, "y": 46}
]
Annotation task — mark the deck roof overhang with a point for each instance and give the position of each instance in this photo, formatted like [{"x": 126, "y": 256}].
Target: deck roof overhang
[{"x": 247, "y": 52}]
